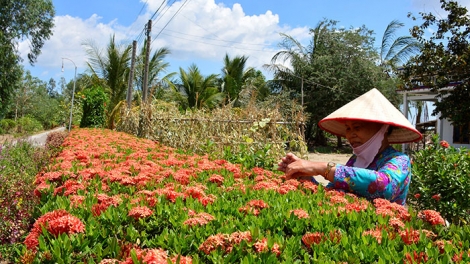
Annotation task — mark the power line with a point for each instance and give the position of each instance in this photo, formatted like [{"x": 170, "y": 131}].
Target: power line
[
  {"x": 174, "y": 15},
  {"x": 140, "y": 12},
  {"x": 217, "y": 45},
  {"x": 218, "y": 39}
]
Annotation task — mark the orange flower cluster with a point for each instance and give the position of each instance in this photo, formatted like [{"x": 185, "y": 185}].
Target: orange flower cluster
[
  {"x": 56, "y": 222},
  {"x": 420, "y": 257},
  {"x": 198, "y": 219},
  {"x": 316, "y": 238},
  {"x": 300, "y": 213},
  {"x": 262, "y": 246},
  {"x": 217, "y": 179},
  {"x": 310, "y": 239},
  {"x": 432, "y": 217},
  {"x": 386, "y": 208},
  {"x": 149, "y": 256},
  {"x": 140, "y": 212},
  {"x": 254, "y": 207},
  {"x": 375, "y": 233},
  {"x": 224, "y": 241},
  {"x": 104, "y": 201},
  {"x": 444, "y": 144},
  {"x": 410, "y": 236}
]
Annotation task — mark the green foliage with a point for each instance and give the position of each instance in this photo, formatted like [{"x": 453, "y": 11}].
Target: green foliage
[
  {"x": 329, "y": 72},
  {"x": 440, "y": 181},
  {"x": 444, "y": 60},
  {"x": 212, "y": 211},
  {"x": 94, "y": 107},
  {"x": 233, "y": 76},
  {"x": 7, "y": 126},
  {"x": 110, "y": 70},
  {"x": 199, "y": 91},
  {"x": 19, "y": 164},
  {"x": 21, "y": 19},
  {"x": 250, "y": 156},
  {"x": 28, "y": 125}
]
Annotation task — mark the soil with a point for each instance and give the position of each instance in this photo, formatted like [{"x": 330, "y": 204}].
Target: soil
[
  {"x": 326, "y": 157},
  {"x": 5, "y": 138}
]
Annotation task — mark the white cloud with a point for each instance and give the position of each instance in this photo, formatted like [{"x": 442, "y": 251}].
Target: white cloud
[{"x": 201, "y": 31}]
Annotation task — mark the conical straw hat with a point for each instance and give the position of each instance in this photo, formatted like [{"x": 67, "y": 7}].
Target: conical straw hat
[{"x": 372, "y": 107}]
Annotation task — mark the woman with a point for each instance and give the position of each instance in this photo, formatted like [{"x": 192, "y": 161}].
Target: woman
[{"x": 370, "y": 123}]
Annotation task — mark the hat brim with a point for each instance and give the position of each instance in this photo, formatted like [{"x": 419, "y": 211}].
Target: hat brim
[{"x": 372, "y": 107}]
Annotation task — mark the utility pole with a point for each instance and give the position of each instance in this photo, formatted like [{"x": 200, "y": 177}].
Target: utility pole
[
  {"x": 73, "y": 91},
  {"x": 146, "y": 69},
  {"x": 131, "y": 75}
]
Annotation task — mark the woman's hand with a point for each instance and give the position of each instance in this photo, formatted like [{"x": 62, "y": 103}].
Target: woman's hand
[{"x": 295, "y": 167}]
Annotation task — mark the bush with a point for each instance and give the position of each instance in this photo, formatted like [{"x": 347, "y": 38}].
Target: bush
[
  {"x": 28, "y": 125},
  {"x": 94, "y": 106},
  {"x": 440, "y": 180},
  {"x": 19, "y": 164},
  {"x": 7, "y": 126},
  {"x": 54, "y": 142}
]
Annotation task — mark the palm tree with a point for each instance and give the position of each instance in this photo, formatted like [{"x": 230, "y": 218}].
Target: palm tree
[
  {"x": 157, "y": 66},
  {"x": 112, "y": 68},
  {"x": 396, "y": 51},
  {"x": 233, "y": 76},
  {"x": 199, "y": 91},
  {"x": 297, "y": 56}
]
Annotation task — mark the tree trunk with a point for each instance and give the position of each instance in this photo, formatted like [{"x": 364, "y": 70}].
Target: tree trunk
[{"x": 339, "y": 143}]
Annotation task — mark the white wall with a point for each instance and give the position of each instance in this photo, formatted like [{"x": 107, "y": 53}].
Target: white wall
[{"x": 448, "y": 132}]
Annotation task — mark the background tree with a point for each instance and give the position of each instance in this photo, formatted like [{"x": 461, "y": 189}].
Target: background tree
[
  {"x": 198, "y": 91},
  {"x": 395, "y": 51},
  {"x": 111, "y": 71},
  {"x": 157, "y": 68},
  {"x": 21, "y": 19},
  {"x": 255, "y": 88},
  {"x": 336, "y": 67},
  {"x": 443, "y": 60},
  {"x": 31, "y": 99},
  {"x": 233, "y": 76}
]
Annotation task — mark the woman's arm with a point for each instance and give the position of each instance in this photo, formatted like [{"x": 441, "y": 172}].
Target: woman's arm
[{"x": 388, "y": 177}]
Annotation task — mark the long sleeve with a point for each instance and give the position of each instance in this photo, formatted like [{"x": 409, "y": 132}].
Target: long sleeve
[{"x": 388, "y": 177}]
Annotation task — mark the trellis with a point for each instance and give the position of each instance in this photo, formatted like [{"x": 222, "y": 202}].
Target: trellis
[{"x": 203, "y": 131}]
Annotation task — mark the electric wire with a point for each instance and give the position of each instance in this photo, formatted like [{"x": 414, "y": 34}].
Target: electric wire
[{"x": 174, "y": 15}]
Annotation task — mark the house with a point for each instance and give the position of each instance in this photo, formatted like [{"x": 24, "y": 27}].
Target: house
[{"x": 457, "y": 136}]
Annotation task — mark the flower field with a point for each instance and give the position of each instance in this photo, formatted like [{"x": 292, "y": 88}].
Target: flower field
[{"x": 110, "y": 197}]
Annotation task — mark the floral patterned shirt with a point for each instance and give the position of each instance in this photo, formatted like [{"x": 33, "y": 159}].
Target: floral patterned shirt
[{"x": 388, "y": 177}]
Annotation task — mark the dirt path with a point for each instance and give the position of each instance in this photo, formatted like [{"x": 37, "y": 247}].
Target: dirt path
[{"x": 337, "y": 158}]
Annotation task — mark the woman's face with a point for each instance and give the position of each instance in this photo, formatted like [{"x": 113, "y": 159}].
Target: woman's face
[{"x": 359, "y": 132}]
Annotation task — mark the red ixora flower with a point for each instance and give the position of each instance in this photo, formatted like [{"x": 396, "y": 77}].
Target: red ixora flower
[
  {"x": 140, "y": 212},
  {"x": 312, "y": 238},
  {"x": 436, "y": 197},
  {"x": 417, "y": 196},
  {"x": 432, "y": 217},
  {"x": 444, "y": 144}
]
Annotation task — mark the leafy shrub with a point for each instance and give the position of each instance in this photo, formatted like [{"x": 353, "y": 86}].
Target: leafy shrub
[
  {"x": 94, "y": 105},
  {"x": 54, "y": 142},
  {"x": 441, "y": 181},
  {"x": 19, "y": 164},
  {"x": 7, "y": 126},
  {"x": 17, "y": 203},
  {"x": 250, "y": 157},
  {"x": 142, "y": 202},
  {"x": 28, "y": 125}
]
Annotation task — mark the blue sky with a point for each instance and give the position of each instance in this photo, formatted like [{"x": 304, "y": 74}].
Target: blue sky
[{"x": 203, "y": 31}]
